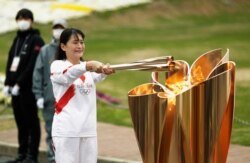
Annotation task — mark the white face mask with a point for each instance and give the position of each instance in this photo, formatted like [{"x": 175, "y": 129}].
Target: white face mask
[
  {"x": 23, "y": 25},
  {"x": 57, "y": 33}
]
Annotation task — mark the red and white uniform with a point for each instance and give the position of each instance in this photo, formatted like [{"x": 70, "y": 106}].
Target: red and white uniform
[
  {"x": 78, "y": 117},
  {"x": 75, "y": 94}
]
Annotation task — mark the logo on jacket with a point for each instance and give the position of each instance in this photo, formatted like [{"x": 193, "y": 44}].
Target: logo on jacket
[
  {"x": 24, "y": 49},
  {"x": 84, "y": 88}
]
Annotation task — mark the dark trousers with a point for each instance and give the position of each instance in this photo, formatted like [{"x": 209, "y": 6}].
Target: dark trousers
[{"x": 28, "y": 124}]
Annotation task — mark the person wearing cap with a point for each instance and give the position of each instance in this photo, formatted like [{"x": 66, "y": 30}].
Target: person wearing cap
[
  {"x": 42, "y": 87},
  {"x": 18, "y": 84}
]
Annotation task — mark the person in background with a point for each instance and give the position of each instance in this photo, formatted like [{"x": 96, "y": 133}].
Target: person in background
[
  {"x": 74, "y": 125},
  {"x": 18, "y": 83},
  {"x": 42, "y": 87}
]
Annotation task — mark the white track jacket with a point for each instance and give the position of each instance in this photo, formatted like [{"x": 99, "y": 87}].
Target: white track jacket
[{"x": 75, "y": 94}]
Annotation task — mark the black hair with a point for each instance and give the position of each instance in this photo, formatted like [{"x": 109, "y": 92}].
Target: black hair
[
  {"x": 25, "y": 13},
  {"x": 64, "y": 38}
]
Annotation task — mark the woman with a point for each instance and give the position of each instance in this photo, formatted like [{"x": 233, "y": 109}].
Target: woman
[{"x": 74, "y": 125}]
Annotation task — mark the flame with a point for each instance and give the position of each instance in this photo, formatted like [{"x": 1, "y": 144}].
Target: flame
[
  {"x": 171, "y": 103},
  {"x": 143, "y": 90},
  {"x": 197, "y": 75},
  {"x": 179, "y": 87}
]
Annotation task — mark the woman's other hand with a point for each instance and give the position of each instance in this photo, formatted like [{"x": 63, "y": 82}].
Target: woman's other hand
[
  {"x": 107, "y": 70},
  {"x": 94, "y": 66}
]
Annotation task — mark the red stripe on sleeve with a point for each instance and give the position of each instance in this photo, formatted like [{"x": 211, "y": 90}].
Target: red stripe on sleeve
[{"x": 64, "y": 71}]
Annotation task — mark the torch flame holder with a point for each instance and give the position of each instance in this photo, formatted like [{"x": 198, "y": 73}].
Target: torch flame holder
[{"x": 190, "y": 126}]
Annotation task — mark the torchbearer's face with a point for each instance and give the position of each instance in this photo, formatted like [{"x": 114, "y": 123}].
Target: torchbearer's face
[{"x": 74, "y": 48}]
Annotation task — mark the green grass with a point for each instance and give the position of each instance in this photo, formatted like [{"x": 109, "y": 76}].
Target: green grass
[
  {"x": 110, "y": 115},
  {"x": 184, "y": 37},
  {"x": 241, "y": 131},
  {"x": 141, "y": 32}
]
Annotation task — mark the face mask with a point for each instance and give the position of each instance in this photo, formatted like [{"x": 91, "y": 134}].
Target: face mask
[
  {"x": 57, "y": 33},
  {"x": 23, "y": 25}
]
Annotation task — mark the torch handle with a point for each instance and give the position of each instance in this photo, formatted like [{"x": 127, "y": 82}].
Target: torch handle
[{"x": 152, "y": 64}]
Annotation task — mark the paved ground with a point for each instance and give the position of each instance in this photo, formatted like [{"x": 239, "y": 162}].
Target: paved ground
[
  {"x": 3, "y": 159},
  {"x": 117, "y": 145}
]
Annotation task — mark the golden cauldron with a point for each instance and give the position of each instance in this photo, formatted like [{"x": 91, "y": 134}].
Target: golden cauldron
[{"x": 189, "y": 118}]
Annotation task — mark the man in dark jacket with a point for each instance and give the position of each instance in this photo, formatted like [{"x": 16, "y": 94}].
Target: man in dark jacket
[{"x": 18, "y": 84}]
